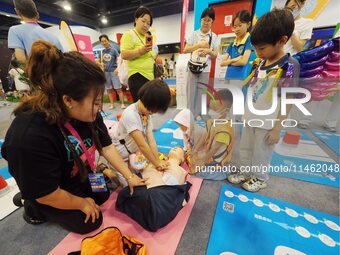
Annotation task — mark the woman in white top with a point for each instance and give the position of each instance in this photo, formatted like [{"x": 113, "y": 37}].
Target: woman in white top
[
  {"x": 302, "y": 32},
  {"x": 303, "y": 27}
]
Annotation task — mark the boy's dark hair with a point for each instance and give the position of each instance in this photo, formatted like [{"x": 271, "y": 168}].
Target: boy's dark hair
[
  {"x": 244, "y": 16},
  {"x": 140, "y": 12},
  {"x": 14, "y": 63},
  {"x": 26, "y": 8},
  {"x": 155, "y": 96},
  {"x": 226, "y": 96},
  {"x": 103, "y": 36},
  {"x": 208, "y": 12},
  {"x": 270, "y": 28},
  {"x": 301, "y": 2}
]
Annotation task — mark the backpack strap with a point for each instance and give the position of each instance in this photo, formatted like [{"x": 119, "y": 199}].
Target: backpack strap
[{"x": 210, "y": 39}]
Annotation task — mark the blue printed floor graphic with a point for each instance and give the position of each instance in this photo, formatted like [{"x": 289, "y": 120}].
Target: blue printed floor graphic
[
  {"x": 331, "y": 140},
  {"x": 306, "y": 162},
  {"x": 169, "y": 135},
  {"x": 249, "y": 224}
]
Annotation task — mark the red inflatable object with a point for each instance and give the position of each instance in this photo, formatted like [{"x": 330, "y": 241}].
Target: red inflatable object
[
  {"x": 291, "y": 137},
  {"x": 3, "y": 183},
  {"x": 319, "y": 96},
  {"x": 334, "y": 56},
  {"x": 319, "y": 85},
  {"x": 332, "y": 66},
  {"x": 330, "y": 74}
]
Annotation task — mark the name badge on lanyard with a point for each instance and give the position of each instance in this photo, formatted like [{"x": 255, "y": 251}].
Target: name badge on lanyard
[
  {"x": 97, "y": 180},
  {"x": 144, "y": 119}
]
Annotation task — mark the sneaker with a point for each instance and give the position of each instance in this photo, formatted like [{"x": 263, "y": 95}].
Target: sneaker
[
  {"x": 236, "y": 178},
  {"x": 123, "y": 106},
  {"x": 17, "y": 200},
  {"x": 303, "y": 125},
  {"x": 254, "y": 185},
  {"x": 329, "y": 129},
  {"x": 111, "y": 107},
  {"x": 33, "y": 221}
]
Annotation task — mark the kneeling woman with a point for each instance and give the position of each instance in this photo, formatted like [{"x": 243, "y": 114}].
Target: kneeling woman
[
  {"x": 155, "y": 205},
  {"x": 51, "y": 143}
]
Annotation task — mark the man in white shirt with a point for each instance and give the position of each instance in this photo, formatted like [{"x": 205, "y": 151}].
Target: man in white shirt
[{"x": 202, "y": 42}]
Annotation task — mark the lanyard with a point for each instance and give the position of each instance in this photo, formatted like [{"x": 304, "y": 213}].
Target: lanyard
[{"x": 90, "y": 158}]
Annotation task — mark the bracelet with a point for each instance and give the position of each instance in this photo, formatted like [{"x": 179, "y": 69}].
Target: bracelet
[{"x": 130, "y": 177}]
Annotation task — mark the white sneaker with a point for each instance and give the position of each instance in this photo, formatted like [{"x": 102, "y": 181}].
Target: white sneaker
[
  {"x": 236, "y": 178},
  {"x": 254, "y": 185},
  {"x": 111, "y": 107},
  {"x": 303, "y": 125},
  {"x": 329, "y": 129}
]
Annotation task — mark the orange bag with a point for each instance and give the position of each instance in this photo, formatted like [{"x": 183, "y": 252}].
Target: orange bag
[{"x": 111, "y": 241}]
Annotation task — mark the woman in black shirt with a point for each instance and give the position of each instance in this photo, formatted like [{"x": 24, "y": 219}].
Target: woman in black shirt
[{"x": 51, "y": 143}]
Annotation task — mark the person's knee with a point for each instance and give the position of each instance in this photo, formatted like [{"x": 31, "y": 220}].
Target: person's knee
[
  {"x": 102, "y": 198},
  {"x": 88, "y": 227}
]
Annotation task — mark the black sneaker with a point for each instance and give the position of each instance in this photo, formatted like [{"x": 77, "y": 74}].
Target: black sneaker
[
  {"x": 17, "y": 200},
  {"x": 33, "y": 221}
]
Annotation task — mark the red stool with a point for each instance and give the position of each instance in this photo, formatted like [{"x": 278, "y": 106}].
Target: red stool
[
  {"x": 3, "y": 186},
  {"x": 291, "y": 137}
]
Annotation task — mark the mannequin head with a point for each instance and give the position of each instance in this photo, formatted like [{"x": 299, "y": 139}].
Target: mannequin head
[{"x": 177, "y": 153}]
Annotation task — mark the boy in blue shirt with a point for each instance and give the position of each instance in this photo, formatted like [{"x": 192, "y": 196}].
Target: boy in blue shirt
[
  {"x": 275, "y": 70},
  {"x": 21, "y": 37}
]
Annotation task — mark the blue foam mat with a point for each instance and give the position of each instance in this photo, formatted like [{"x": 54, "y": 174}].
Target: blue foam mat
[
  {"x": 331, "y": 140},
  {"x": 105, "y": 114},
  {"x": 170, "y": 81},
  {"x": 167, "y": 140},
  {"x": 250, "y": 224},
  {"x": 308, "y": 163},
  {"x": 4, "y": 172}
]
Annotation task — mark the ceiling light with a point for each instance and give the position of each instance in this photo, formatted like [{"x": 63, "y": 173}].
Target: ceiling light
[
  {"x": 104, "y": 20},
  {"x": 67, "y": 7}
]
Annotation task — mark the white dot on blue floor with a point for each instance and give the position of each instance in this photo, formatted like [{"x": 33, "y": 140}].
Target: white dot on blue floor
[
  {"x": 229, "y": 193},
  {"x": 302, "y": 232},
  {"x": 326, "y": 240}
]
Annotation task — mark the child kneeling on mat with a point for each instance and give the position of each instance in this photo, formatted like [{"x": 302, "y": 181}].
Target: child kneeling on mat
[
  {"x": 214, "y": 151},
  {"x": 275, "y": 70},
  {"x": 134, "y": 132}
]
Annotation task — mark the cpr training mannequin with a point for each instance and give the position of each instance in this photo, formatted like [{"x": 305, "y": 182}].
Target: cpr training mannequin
[
  {"x": 174, "y": 175},
  {"x": 155, "y": 205}
]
